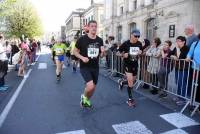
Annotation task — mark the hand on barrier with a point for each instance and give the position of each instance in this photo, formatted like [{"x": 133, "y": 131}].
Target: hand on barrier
[
  {"x": 188, "y": 59},
  {"x": 174, "y": 57}
]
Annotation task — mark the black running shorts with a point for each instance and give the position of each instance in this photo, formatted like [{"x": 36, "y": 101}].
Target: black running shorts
[
  {"x": 90, "y": 74},
  {"x": 131, "y": 68}
]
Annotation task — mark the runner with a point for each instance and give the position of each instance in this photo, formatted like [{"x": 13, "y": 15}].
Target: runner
[
  {"x": 130, "y": 51},
  {"x": 68, "y": 55},
  {"x": 59, "y": 49},
  {"x": 88, "y": 49},
  {"x": 73, "y": 57}
]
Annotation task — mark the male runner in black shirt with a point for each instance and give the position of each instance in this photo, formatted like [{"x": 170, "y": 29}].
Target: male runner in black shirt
[
  {"x": 88, "y": 49},
  {"x": 130, "y": 51}
]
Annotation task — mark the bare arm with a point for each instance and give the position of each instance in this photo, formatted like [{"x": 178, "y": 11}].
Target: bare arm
[{"x": 76, "y": 52}]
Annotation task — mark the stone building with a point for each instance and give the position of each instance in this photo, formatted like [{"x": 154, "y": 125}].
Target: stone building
[
  {"x": 77, "y": 20},
  {"x": 163, "y": 18}
]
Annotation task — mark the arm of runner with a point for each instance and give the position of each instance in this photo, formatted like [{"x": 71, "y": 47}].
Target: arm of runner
[{"x": 78, "y": 55}]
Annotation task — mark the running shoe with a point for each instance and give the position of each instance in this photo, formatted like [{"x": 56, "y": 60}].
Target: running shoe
[
  {"x": 85, "y": 102},
  {"x": 130, "y": 102},
  {"x": 74, "y": 69}
]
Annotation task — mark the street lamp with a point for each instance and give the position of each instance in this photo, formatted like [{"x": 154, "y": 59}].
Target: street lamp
[{"x": 80, "y": 13}]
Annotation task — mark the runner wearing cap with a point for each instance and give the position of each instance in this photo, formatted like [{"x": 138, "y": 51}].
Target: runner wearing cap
[{"x": 130, "y": 51}]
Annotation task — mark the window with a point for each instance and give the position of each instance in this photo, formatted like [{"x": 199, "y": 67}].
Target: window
[
  {"x": 86, "y": 21},
  {"x": 121, "y": 10},
  {"x": 92, "y": 17},
  {"x": 134, "y": 4}
]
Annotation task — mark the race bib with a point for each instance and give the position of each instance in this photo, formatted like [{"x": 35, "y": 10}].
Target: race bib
[
  {"x": 59, "y": 51},
  {"x": 134, "y": 50},
  {"x": 93, "y": 52}
]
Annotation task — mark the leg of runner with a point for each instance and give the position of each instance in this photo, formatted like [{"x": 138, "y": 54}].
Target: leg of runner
[
  {"x": 130, "y": 79},
  {"x": 58, "y": 64},
  {"x": 88, "y": 92}
]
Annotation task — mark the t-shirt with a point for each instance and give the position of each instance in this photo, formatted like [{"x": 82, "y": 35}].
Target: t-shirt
[
  {"x": 59, "y": 49},
  {"x": 89, "y": 48},
  {"x": 132, "y": 49},
  {"x": 72, "y": 46}
]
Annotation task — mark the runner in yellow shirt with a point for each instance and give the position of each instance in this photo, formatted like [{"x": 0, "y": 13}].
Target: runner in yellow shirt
[{"x": 59, "y": 49}]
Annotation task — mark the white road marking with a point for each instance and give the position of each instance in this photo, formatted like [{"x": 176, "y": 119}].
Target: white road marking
[
  {"x": 175, "y": 131},
  {"x": 37, "y": 58},
  {"x": 64, "y": 66},
  {"x": 74, "y": 132},
  {"x": 8, "y": 107},
  {"x": 179, "y": 120},
  {"x": 134, "y": 127},
  {"x": 42, "y": 66}
]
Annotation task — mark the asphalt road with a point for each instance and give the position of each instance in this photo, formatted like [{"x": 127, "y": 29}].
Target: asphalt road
[{"x": 44, "y": 106}]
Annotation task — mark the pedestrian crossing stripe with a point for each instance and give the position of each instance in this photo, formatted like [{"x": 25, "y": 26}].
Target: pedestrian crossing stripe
[
  {"x": 175, "y": 131},
  {"x": 179, "y": 120},
  {"x": 74, "y": 132},
  {"x": 42, "y": 66},
  {"x": 134, "y": 127}
]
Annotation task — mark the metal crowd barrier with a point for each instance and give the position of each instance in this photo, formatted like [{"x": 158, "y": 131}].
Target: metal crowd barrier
[
  {"x": 195, "y": 86},
  {"x": 165, "y": 74}
]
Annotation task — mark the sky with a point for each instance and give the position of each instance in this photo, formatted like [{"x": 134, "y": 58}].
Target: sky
[{"x": 53, "y": 13}]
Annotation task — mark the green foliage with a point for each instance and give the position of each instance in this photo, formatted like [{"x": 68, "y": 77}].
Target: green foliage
[{"x": 21, "y": 19}]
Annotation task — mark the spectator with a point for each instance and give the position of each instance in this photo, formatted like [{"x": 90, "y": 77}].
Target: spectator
[
  {"x": 165, "y": 68},
  {"x": 14, "y": 50},
  {"x": 181, "y": 67},
  {"x": 194, "y": 54},
  {"x": 23, "y": 61},
  {"x": 3, "y": 64},
  {"x": 33, "y": 51},
  {"x": 153, "y": 67},
  {"x": 8, "y": 50},
  {"x": 191, "y": 36},
  {"x": 39, "y": 46},
  {"x": 107, "y": 46}
]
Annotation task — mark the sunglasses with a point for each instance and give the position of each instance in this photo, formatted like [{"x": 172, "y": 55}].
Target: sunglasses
[{"x": 136, "y": 36}]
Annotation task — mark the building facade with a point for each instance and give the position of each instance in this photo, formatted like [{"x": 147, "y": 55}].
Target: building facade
[
  {"x": 72, "y": 25},
  {"x": 155, "y": 18},
  {"x": 95, "y": 12},
  {"x": 77, "y": 20}
]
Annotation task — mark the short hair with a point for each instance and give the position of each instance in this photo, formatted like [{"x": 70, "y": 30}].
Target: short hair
[
  {"x": 191, "y": 27},
  {"x": 157, "y": 41},
  {"x": 92, "y": 21},
  {"x": 168, "y": 42},
  {"x": 182, "y": 38}
]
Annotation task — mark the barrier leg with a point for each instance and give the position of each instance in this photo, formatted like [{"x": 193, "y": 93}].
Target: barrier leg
[
  {"x": 186, "y": 105},
  {"x": 193, "y": 112},
  {"x": 138, "y": 82}
]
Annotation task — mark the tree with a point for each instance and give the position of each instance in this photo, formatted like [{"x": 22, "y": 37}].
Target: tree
[{"x": 21, "y": 19}]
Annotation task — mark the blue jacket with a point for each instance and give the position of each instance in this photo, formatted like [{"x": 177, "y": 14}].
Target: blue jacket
[{"x": 195, "y": 55}]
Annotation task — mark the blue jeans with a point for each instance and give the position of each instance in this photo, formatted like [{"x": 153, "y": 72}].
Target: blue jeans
[{"x": 181, "y": 81}]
